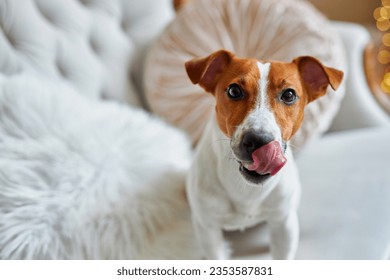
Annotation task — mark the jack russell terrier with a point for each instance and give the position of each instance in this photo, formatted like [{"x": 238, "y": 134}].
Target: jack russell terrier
[{"x": 243, "y": 171}]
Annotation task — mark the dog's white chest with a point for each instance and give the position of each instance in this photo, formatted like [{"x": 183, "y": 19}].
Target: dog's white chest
[{"x": 241, "y": 221}]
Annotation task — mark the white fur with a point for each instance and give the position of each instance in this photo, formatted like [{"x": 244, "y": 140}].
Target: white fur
[
  {"x": 263, "y": 84},
  {"x": 81, "y": 178},
  {"x": 261, "y": 118},
  {"x": 221, "y": 199}
]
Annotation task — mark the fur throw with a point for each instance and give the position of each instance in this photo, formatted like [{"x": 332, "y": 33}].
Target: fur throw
[{"x": 88, "y": 179}]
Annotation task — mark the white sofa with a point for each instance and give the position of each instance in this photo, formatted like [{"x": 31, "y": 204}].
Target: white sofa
[
  {"x": 346, "y": 190},
  {"x": 97, "y": 47}
]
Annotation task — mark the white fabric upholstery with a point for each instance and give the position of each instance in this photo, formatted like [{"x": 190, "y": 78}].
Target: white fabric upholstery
[
  {"x": 346, "y": 196},
  {"x": 359, "y": 108},
  {"x": 89, "y": 44}
]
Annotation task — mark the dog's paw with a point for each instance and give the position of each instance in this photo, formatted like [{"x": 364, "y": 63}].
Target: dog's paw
[{"x": 222, "y": 252}]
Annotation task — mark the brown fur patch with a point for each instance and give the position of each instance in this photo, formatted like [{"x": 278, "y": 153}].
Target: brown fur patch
[
  {"x": 231, "y": 113},
  {"x": 289, "y": 117}
]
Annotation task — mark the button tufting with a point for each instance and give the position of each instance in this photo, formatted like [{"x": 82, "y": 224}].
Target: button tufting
[
  {"x": 49, "y": 18},
  {"x": 61, "y": 70},
  {"x": 93, "y": 44},
  {"x": 104, "y": 95},
  {"x": 84, "y": 2},
  {"x": 80, "y": 41},
  {"x": 124, "y": 25},
  {"x": 11, "y": 39}
]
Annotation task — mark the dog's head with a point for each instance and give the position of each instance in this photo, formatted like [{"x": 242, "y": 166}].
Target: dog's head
[{"x": 260, "y": 104}]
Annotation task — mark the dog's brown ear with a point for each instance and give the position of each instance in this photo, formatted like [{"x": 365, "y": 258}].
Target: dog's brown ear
[
  {"x": 317, "y": 77},
  {"x": 205, "y": 71}
]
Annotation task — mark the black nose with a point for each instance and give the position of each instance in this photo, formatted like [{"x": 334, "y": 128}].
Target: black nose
[{"x": 252, "y": 140}]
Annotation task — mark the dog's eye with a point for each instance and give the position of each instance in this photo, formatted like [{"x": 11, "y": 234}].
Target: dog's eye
[
  {"x": 288, "y": 96},
  {"x": 234, "y": 92}
]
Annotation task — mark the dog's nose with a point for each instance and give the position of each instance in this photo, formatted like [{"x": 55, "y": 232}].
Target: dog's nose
[{"x": 252, "y": 140}]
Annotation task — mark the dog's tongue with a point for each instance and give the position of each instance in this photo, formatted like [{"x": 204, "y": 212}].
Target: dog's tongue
[{"x": 268, "y": 159}]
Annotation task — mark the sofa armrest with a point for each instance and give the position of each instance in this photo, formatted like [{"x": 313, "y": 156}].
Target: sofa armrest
[{"x": 359, "y": 108}]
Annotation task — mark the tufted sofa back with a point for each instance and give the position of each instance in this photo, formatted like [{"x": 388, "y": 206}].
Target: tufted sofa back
[{"x": 96, "y": 46}]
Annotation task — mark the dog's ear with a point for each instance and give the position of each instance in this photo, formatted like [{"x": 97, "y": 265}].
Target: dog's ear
[
  {"x": 317, "y": 77},
  {"x": 205, "y": 71}
]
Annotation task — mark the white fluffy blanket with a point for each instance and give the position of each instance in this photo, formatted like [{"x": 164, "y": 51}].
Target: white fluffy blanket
[{"x": 82, "y": 178}]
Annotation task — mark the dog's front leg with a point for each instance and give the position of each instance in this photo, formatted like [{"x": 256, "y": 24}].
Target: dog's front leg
[
  {"x": 211, "y": 241},
  {"x": 284, "y": 231},
  {"x": 205, "y": 204},
  {"x": 282, "y": 215}
]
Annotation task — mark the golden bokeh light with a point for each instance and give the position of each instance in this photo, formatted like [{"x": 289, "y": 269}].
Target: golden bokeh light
[
  {"x": 386, "y": 39},
  {"x": 382, "y": 17},
  {"x": 386, "y": 3},
  {"x": 386, "y": 78},
  {"x": 377, "y": 13},
  {"x": 383, "y": 12},
  {"x": 384, "y": 57},
  {"x": 383, "y": 24},
  {"x": 385, "y": 85}
]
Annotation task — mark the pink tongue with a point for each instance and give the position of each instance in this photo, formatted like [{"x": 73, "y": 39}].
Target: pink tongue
[{"x": 268, "y": 159}]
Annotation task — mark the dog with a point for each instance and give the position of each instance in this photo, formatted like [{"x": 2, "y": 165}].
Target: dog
[{"x": 243, "y": 171}]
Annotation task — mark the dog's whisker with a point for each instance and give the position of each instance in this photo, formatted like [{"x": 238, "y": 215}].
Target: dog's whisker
[
  {"x": 222, "y": 139},
  {"x": 230, "y": 156},
  {"x": 293, "y": 147}
]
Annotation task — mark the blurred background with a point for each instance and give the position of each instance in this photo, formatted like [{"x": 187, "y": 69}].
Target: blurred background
[
  {"x": 359, "y": 11},
  {"x": 375, "y": 16}
]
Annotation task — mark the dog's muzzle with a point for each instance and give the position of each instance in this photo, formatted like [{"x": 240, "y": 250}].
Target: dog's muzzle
[{"x": 260, "y": 156}]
